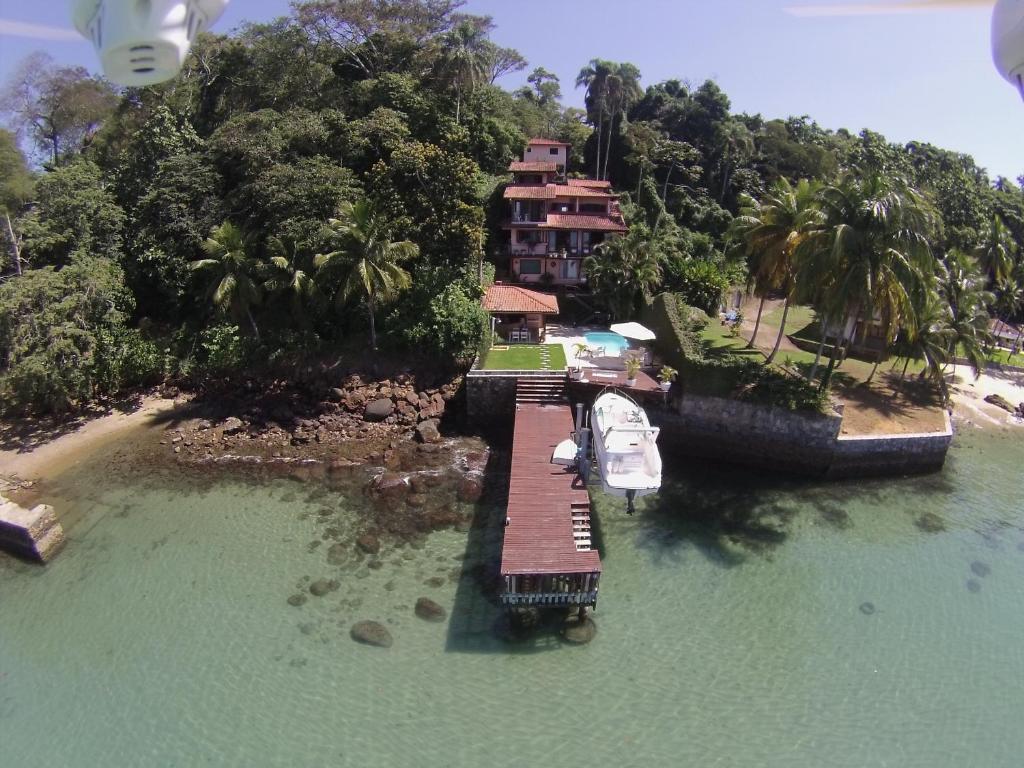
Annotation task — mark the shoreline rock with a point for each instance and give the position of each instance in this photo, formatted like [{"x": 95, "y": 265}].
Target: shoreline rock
[{"x": 371, "y": 633}]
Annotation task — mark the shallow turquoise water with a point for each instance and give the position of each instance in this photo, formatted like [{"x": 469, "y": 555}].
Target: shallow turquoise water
[
  {"x": 613, "y": 343},
  {"x": 162, "y": 636}
]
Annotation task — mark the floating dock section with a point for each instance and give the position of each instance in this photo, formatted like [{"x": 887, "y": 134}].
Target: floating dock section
[
  {"x": 34, "y": 533},
  {"x": 547, "y": 558}
]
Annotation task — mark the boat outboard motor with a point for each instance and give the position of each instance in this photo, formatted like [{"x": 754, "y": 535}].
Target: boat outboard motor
[{"x": 142, "y": 42}]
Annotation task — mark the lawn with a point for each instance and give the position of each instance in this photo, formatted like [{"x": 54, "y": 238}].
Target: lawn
[
  {"x": 1003, "y": 357},
  {"x": 525, "y": 357}
]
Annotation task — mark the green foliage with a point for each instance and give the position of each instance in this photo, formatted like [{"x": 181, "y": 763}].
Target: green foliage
[
  {"x": 63, "y": 338},
  {"x": 700, "y": 283},
  {"x": 75, "y": 213}
]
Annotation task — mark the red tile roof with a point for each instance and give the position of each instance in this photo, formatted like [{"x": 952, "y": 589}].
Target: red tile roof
[
  {"x": 583, "y": 221},
  {"x": 530, "y": 192},
  {"x": 547, "y": 143},
  {"x": 514, "y": 299},
  {"x": 589, "y": 183},
  {"x": 539, "y": 166},
  {"x": 566, "y": 190},
  {"x": 541, "y": 495}
]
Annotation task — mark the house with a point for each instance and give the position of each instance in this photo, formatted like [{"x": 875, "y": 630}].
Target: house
[
  {"x": 553, "y": 222},
  {"x": 517, "y": 313}
]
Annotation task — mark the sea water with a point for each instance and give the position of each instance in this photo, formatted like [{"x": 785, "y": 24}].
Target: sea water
[{"x": 743, "y": 621}]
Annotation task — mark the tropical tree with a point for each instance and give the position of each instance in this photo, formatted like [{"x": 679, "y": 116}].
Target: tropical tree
[
  {"x": 232, "y": 273},
  {"x": 292, "y": 277},
  {"x": 466, "y": 59},
  {"x": 15, "y": 190},
  {"x": 997, "y": 252},
  {"x": 773, "y": 232},
  {"x": 622, "y": 91},
  {"x": 594, "y": 78},
  {"x": 928, "y": 338},
  {"x": 624, "y": 268},
  {"x": 373, "y": 261},
  {"x": 963, "y": 289},
  {"x": 874, "y": 254}
]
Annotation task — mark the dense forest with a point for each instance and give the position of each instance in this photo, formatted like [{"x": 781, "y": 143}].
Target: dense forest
[{"x": 331, "y": 182}]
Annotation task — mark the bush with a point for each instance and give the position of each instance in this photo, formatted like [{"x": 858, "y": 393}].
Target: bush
[
  {"x": 700, "y": 284},
  {"x": 63, "y": 338},
  {"x": 677, "y": 328},
  {"x": 222, "y": 350}
]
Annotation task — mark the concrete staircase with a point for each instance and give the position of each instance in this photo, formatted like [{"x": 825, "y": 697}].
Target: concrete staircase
[{"x": 541, "y": 390}]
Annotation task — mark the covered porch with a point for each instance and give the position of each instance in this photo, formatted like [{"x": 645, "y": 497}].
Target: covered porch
[{"x": 519, "y": 315}]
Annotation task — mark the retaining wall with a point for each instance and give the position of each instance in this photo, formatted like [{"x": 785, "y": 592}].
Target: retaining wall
[{"x": 491, "y": 395}]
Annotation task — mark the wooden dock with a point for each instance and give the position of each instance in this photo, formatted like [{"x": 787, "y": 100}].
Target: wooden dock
[{"x": 548, "y": 556}]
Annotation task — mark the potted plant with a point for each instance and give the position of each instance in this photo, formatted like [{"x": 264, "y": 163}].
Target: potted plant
[
  {"x": 666, "y": 376},
  {"x": 576, "y": 374},
  {"x": 633, "y": 366}
]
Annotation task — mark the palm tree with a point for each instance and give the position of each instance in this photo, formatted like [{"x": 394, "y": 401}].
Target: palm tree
[
  {"x": 465, "y": 59},
  {"x": 594, "y": 77},
  {"x": 928, "y": 339},
  {"x": 773, "y": 232},
  {"x": 372, "y": 260},
  {"x": 291, "y": 276},
  {"x": 963, "y": 288},
  {"x": 997, "y": 252},
  {"x": 877, "y": 253},
  {"x": 623, "y": 91},
  {"x": 233, "y": 288},
  {"x": 623, "y": 268}
]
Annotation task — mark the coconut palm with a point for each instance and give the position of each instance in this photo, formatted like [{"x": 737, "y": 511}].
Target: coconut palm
[
  {"x": 291, "y": 276},
  {"x": 997, "y": 252},
  {"x": 372, "y": 260},
  {"x": 963, "y": 288},
  {"x": 928, "y": 339},
  {"x": 233, "y": 287},
  {"x": 773, "y": 231},
  {"x": 873, "y": 255}
]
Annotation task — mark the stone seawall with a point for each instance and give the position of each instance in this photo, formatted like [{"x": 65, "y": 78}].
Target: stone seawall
[
  {"x": 773, "y": 438},
  {"x": 34, "y": 533},
  {"x": 748, "y": 433},
  {"x": 869, "y": 455}
]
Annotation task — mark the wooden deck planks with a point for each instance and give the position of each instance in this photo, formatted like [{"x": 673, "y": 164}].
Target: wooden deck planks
[{"x": 539, "y": 536}]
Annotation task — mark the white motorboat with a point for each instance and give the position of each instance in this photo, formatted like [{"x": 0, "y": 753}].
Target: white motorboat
[{"x": 625, "y": 446}]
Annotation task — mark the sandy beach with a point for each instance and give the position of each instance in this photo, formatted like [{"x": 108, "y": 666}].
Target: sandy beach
[
  {"x": 28, "y": 454},
  {"x": 969, "y": 395}
]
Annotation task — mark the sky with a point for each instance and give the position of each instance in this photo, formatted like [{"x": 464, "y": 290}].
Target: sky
[{"x": 925, "y": 76}]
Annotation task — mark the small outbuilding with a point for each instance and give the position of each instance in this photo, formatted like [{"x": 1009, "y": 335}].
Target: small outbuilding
[{"x": 519, "y": 314}]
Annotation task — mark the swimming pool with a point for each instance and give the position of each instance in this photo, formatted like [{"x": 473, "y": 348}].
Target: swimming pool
[{"x": 612, "y": 342}]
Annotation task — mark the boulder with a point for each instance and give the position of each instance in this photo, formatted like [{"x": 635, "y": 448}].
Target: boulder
[
  {"x": 371, "y": 633},
  {"x": 321, "y": 587},
  {"x": 579, "y": 632},
  {"x": 297, "y": 599},
  {"x": 231, "y": 425},
  {"x": 379, "y": 409},
  {"x": 390, "y": 485},
  {"x": 428, "y": 432},
  {"x": 428, "y": 610},
  {"x": 337, "y": 395},
  {"x": 1001, "y": 402},
  {"x": 368, "y": 543},
  {"x": 470, "y": 490}
]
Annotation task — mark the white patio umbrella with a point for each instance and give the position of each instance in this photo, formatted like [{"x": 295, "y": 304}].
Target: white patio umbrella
[{"x": 634, "y": 331}]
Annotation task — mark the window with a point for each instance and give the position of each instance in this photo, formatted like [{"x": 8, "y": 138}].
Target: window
[
  {"x": 529, "y": 266},
  {"x": 553, "y": 151}
]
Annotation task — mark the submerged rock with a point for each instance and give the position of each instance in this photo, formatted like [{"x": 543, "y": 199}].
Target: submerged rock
[
  {"x": 428, "y": 610},
  {"x": 371, "y": 633},
  {"x": 981, "y": 569},
  {"x": 929, "y": 522},
  {"x": 368, "y": 543},
  {"x": 297, "y": 599},
  {"x": 973, "y": 586},
  {"x": 867, "y": 608},
  {"x": 579, "y": 632},
  {"x": 321, "y": 587}
]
